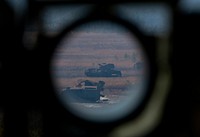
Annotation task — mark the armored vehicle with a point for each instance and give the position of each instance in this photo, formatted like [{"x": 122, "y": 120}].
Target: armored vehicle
[
  {"x": 85, "y": 91},
  {"x": 104, "y": 70}
]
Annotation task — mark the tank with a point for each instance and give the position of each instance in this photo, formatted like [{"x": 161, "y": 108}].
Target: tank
[
  {"x": 84, "y": 91},
  {"x": 104, "y": 70}
]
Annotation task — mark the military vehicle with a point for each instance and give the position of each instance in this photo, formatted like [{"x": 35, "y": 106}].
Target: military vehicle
[
  {"x": 85, "y": 91},
  {"x": 104, "y": 70}
]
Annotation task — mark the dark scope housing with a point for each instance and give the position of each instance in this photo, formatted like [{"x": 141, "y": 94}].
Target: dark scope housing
[{"x": 85, "y": 68}]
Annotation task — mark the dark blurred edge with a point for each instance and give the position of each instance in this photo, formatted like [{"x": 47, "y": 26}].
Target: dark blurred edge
[{"x": 182, "y": 107}]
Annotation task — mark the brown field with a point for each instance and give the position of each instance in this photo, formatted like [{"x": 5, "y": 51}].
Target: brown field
[{"x": 85, "y": 50}]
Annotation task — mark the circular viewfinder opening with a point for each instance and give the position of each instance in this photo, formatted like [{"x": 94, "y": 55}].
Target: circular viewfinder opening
[{"x": 100, "y": 71}]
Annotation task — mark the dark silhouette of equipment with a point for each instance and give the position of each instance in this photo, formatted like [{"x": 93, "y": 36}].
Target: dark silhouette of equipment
[
  {"x": 104, "y": 70},
  {"x": 85, "y": 91}
]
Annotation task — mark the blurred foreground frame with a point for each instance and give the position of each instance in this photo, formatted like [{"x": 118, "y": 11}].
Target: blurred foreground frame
[{"x": 24, "y": 69}]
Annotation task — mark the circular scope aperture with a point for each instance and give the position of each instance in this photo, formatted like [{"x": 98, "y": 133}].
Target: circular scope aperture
[{"x": 100, "y": 71}]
